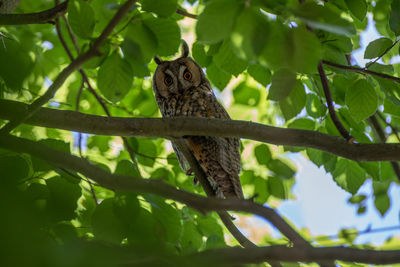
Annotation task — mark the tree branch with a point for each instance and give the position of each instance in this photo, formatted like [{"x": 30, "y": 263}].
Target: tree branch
[
  {"x": 361, "y": 70},
  {"x": 185, "y": 13},
  {"x": 58, "y": 82},
  {"x": 235, "y": 255},
  {"x": 302, "y": 252},
  {"x": 329, "y": 101},
  {"x": 34, "y": 18},
  {"x": 131, "y": 184},
  {"x": 181, "y": 126}
]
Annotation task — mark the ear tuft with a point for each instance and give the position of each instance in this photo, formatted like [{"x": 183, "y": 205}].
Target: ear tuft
[
  {"x": 185, "y": 49},
  {"x": 158, "y": 60}
]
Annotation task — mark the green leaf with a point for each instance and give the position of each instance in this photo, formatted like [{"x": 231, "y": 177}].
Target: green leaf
[
  {"x": 260, "y": 73},
  {"x": 200, "y": 55},
  {"x": 209, "y": 226},
  {"x": 324, "y": 18},
  {"x": 281, "y": 169},
  {"x": 218, "y": 77},
  {"x": 314, "y": 107},
  {"x": 390, "y": 107},
  {"x": 164, "y": 8},
  {"x": 126, "y": 208},
  {"x": 283, "y": 81},
  {"x": 305, "y": 49},
  {"x": 377, "y": 47},
  {"x": 295, "y": 102},
  {"x": 381, "y": 68},
  {"x": 115, "y": 78},
  {"x": 348, "y": 175},
  {"x": 320, "y": 158},
  {"x": 14, "y": 168},
  {"x": 167, "y": 32},
  {"x": 169, "y": 217},
  {"x": 81, "y": 18},
  {"x": 381, "y": 199},
  {"x": 263, "y": 154},
  {"x": 140, "y": 34},
  {"x": 40, "y": 165},
  {"x": 246, "y": 95},
  {"x": 106, "y": 225},
  {"x": 394, "y": 20},
  {"x": 276, "y": 187},
  {"x": 358, "y": 8},
  {"x": 261, "y": 189},
  {"x": 63, "y": 199},
  {"x": 361, "y": 99},
  {"x": 145, "y": 231},
  {"x": 147, "y": 152},
  {"x": 356, "y": 199},
  {"x": 251, "y": 32},
  {"x": 20, "y": 64},
  {"x": 191, "y": 238},
  {"x": 216, "y": 21},
  {"x": 302, "y": 123},
  {"x": 126, "y": 167},
  {"x": 227, "y": 60},
  {"x": 373, "y": 169}
]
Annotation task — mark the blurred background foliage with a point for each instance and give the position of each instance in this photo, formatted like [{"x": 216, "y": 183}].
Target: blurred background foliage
[{"x": 262, "y": 62}]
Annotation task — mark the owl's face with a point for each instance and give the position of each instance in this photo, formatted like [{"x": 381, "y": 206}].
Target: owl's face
[{"x": 177, "y": 76}]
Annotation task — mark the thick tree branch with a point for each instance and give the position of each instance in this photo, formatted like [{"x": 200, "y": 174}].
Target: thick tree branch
[
  {"x": 296, "y": 254},
  {"x": 34, "y": 18},
  {"x": 329, "y": 101},
  {"x": 177, "y": 127},
  {"x": 58, "y": 82},
  {"x": 302, "y": 252},
  {"x": 139, "y": 185},
  {"x": 361, "y": 70}
]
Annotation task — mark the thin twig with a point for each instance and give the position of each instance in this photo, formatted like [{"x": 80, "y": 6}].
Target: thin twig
[
  {"x": 71, "y": 34},
  {"x": 384, "y": 53},
  {"x": 186, "y": 14},
  {"x": 59, "y": 81},
  {"x": 329, "y": 101},
  {"x": 34, "y": 18},
  {"x": 361, "y": 70},
  {"x": 92, "y": 191},
  {"x": 358, "y": 233}
]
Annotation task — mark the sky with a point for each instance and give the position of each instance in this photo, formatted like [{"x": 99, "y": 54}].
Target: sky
[{"x": 321, "y": 205}]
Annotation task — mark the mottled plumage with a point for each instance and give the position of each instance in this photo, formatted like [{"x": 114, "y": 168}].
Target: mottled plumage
[{"x": 181, "y": 89}]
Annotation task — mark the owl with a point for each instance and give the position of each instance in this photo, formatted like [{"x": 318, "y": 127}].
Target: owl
[{"x": 182, "y": 89}]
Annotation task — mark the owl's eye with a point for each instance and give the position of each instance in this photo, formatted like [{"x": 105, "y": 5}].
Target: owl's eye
[
  {"x": 187, "y": 75},
  {"x": 168, "y": 80}
]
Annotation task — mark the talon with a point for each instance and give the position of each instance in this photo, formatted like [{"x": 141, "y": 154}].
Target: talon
[
  {"x": 189, "y": 172},
  {"x": 195, "y": 181}
]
